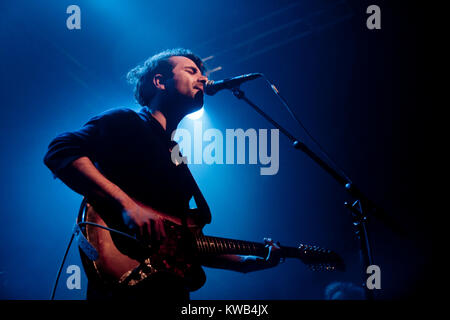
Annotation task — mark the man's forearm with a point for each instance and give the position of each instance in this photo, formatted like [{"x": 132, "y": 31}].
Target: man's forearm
[
  {"x": 83, "y": 177},
  {"x": 237, "y": 263}
]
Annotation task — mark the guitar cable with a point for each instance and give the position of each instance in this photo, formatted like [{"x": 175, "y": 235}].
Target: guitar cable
[{"x": 52, "y": 297}]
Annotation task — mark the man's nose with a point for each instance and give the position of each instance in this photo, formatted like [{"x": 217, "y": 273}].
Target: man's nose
[{"x": 203, "y": 79}]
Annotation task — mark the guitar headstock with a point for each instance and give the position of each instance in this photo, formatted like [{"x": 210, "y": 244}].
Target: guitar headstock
[{"x": 320, "y": 259}]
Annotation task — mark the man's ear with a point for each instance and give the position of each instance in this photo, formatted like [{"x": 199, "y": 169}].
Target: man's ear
[{"x": 159, "y": 81}]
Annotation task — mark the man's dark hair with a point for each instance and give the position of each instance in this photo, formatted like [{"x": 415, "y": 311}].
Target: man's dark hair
[{"x": 141, "y": 76}]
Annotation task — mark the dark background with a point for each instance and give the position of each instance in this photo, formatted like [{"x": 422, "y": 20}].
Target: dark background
[{"x": 358, "y": 91}]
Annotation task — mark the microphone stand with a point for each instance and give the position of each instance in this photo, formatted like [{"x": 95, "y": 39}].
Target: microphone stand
[{"x": 359, "y": 209}]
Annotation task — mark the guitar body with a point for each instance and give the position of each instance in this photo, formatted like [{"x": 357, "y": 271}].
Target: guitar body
[{"x": 125, "y": 262}]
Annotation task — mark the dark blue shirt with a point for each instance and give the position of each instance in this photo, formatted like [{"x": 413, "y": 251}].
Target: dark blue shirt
[{"x": 132, "y": 150}]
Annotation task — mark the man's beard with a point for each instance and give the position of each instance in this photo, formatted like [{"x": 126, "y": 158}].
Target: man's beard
[{"x": 195, "y": 104}]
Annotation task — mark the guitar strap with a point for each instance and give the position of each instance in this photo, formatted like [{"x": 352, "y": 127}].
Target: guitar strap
[
  {"x": 82, "y": 241},
  {"x": 84, "y": 244},
  {"x": 204, "y": 213}
]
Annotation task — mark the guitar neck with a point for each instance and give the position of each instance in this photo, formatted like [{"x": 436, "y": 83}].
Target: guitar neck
[{"x": 216, "y": 245}]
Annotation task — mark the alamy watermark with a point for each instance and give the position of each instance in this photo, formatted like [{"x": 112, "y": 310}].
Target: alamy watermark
[
  {"x": 74, "y": 20},
  {"x": 374, "y": 20},
  {"x": 374, "y": 280},
  {"x": 74, "y": 279},
  {"x": 210, "y": 147}
]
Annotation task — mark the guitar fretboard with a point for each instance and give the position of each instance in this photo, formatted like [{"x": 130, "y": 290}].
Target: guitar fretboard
[
  {"x": 216, "y": 245},
  {"x": 315, "y": 257}
]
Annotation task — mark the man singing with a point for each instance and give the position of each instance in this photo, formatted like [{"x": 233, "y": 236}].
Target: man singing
[{"x": 121, "y": 160}]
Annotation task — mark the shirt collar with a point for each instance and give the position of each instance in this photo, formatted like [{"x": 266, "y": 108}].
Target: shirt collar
[{"x": 146, "y": 114}]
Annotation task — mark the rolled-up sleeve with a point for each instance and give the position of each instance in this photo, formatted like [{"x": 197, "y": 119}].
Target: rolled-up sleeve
[{"x": 69, "y": 146}]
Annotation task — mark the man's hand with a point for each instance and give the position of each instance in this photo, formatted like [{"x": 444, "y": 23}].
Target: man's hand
[
  {"x": 253, "y": 263},
  {"x": 145, "y": 222},
  {"x": 274, "y": 256}
]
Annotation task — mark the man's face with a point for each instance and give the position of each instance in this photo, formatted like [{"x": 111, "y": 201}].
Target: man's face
[{"x": 187, "y": 84}]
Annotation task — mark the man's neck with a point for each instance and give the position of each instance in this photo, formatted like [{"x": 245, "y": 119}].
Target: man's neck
[
  {"x": 159, "y": 116},
  {"x": 168, "y": 122},
  {"x": 164, "y": 114}
]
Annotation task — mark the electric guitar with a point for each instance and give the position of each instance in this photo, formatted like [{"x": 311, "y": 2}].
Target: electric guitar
[{"x": 119, "y": 259}]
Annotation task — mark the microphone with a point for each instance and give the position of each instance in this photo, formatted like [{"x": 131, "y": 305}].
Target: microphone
[{"x": 212, "y": 87}]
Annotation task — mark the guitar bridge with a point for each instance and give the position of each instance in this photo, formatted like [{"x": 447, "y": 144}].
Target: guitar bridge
[{"x": 138, "y": 274}]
